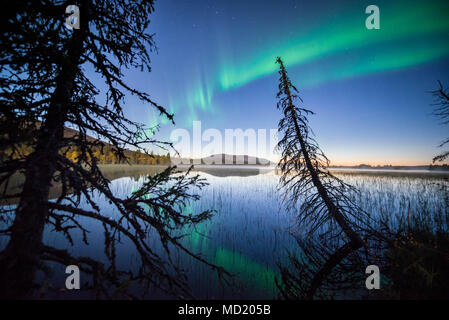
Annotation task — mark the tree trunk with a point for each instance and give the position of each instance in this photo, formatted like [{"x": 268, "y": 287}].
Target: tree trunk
[
  {"x": 21, "y": 258},
  {"x": 323, "y": 273},
  {"x": 356, "y": 241}
]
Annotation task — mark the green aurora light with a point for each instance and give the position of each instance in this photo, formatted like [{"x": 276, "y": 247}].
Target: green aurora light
[
  {"x": 409, "y": 36},
  {"x": 400, "y": 22}
]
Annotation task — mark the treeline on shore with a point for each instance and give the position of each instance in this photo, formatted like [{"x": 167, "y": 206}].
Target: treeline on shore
[
  {"x": 434, "y": 167},
  {"x": 107, "y": 156}
]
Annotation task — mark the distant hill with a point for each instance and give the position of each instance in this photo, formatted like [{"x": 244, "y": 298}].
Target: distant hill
[
  {"x": 69, "y": 132},
  {"x": 225, "y": 159}
]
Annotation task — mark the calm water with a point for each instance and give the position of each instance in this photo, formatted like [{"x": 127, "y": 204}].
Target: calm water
[{"x": 250, "y": 232}]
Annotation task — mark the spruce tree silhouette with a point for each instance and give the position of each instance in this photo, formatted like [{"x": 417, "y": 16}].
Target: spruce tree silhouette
[
  {"x": 325, "y": 198},
  {"x": 45, "y": 87},
  {"x": 441, "y": 104}
]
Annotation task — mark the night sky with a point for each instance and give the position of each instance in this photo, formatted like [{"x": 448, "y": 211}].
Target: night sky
[{"x": 369, "y": 88}]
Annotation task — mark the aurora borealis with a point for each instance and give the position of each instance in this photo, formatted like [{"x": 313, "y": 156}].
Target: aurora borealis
[
  {"x": 333, "y": 37},
  {"x": 215, "y": 63}
]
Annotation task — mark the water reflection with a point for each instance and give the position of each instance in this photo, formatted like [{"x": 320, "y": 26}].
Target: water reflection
[{"x": 250, "y": 232}]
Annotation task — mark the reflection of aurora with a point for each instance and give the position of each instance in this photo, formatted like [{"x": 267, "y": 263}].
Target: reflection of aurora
[
  {"x": 249, "y": 272},
  {"x": 250, "y": 232},
  {"x": 337, "y": 48}
]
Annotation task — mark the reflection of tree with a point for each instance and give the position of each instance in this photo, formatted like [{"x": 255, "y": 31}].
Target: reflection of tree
[
  {"x": 44, "y": 81},
  {"x": 322, "y": 270}
]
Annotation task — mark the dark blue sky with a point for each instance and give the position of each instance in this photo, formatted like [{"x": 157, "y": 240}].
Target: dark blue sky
[{"x": 368, "y": 88}]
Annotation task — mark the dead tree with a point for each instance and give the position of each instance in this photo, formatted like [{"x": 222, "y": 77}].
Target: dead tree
[
  {"x": 441, "y": 111},
  {"x": 325, "y": 198}
]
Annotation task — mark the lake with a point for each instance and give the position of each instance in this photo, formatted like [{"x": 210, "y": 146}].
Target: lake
[{"x": 250, "y": 233}]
